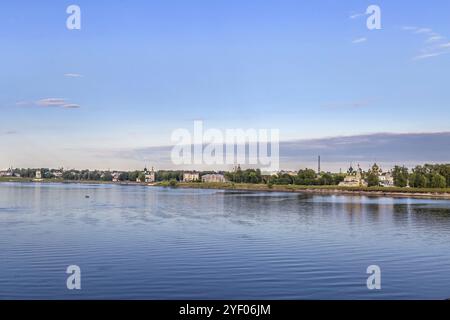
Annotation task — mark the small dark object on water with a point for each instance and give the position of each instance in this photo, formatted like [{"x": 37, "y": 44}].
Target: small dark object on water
[{"x": 87, "y": 197}]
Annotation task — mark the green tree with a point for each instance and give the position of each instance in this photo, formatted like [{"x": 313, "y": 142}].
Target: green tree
[
  {"x": 306, "y": 177},
  {"x": 438, "y": 181},
  {"x": 326, "y": 179},
  {"x": 400, "y": 175},
  {"x": 338, "y": 178},
  {"x": 107, "y": 176},
  {"x": 418, "y": 180},
  {"x": 141, "y": 177},
  {"x": 68, "y": 175},
  {"x": 124, "y": 176},
  {"x": 132, "y": 176},
  {"x": 373, "y": 180}
]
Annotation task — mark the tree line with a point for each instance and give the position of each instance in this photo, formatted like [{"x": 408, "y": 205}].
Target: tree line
[
  {"x": 421, "y": 176},
  {"x": 426, "y": 176},
  {"x": 302, "y": 177}
]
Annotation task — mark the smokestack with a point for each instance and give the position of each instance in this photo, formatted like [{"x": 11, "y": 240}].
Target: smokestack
[{"x": 318, "y": 167}]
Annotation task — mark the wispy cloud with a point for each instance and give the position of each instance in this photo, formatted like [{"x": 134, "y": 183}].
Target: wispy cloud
[
  {"x": 359, "y": 40},
  {"x": 435, "y": 44},
  {"x": 49, "y": 103},
  {"x": 435, "y": 38},
  {"x": 71, "y": 106},
  {"x": 8, "y": 133},
  {"x": 428, "y": 55},
  {"x": 424, "y": 31},
  {"x": 73, "y": 75},
  {"x": 346, "y": 105},
  {"x": 356, "y": 15}
]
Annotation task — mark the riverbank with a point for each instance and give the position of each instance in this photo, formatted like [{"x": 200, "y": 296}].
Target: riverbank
[
  {"x": 426, "y": 193},
  {"x": 366, "y": 191},
  {"x": 29, "y": 180}
]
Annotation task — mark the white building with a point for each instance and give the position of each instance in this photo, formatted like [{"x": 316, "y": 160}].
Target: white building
[
  {"x": 191, "y": 176},
  {"x": 214, "y": 178},
  {"x": 57, "y": 174},
  {"x": 149, "y": 176},
  {"x": 38, "y": 174},
  {"x": 116, "y": 176},
  {"x": 353, "y": 179},
  {"x": 6, "y": 173},
  {"x": 386, "y": 179}
]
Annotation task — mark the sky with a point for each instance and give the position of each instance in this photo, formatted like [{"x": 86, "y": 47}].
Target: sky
[{"x": 138, "y": 70}]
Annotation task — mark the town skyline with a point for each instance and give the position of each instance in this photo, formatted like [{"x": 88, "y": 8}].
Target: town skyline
[{"x": 352, "y": 166}]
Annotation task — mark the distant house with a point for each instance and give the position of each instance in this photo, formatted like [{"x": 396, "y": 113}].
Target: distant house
[
  {"x": 214, "y": 178},
  {"x": 191, "y": 176},
  {"x": 386, "y": 179},
  {"x": 6, "y": 173},
  {"x": 116, "y": 176},
  {"x": 58, "y": 174}
]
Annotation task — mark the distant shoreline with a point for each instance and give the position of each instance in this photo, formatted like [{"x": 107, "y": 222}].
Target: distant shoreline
[
  {"x": 336, "y": 190},
  {"x": 60, "y": 181}
]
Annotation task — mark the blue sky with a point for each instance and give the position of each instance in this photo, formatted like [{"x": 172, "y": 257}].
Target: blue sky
[{"x": 138, "y": 70}]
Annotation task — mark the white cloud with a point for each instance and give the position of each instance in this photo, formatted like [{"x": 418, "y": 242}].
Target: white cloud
[
  {"x": 71, "y": 106},
  {"x": 51, "y": 102},
  {"x": 359, "y": 40},
  {"x": 73, "y": 75},
  {"x": 424, "y": 30},
  {"x": 428, "y": 55},
  {"x": 57, "y": 103},
  {"x": 435, "y": 45},
  {"x": 434, "y": 38},
  {"x": 356, "y": 15}
]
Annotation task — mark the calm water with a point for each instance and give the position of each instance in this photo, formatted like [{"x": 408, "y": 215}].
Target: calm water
[{"x": 140, "y": 242}]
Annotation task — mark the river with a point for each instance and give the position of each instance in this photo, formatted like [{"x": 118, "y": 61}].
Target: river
[{"x": 137, "y": 242}]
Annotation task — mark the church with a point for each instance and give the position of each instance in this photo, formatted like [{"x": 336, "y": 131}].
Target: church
[{"x": 353, "y": 178}]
